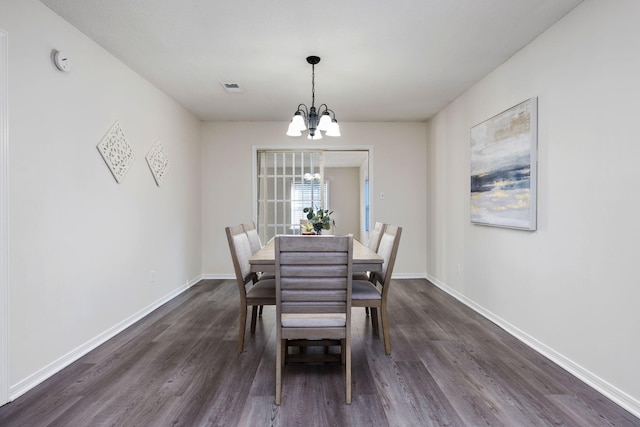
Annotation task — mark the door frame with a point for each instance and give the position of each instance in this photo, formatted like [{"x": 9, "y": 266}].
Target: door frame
[
  {"x": 303, "y": 147},
  {"x": 4, "y": 220}
]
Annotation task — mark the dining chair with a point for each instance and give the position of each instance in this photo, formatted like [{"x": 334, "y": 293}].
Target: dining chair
[
  {"x": 374, "y": 236},
  {"x": 374, "y": 293},
  {"x": 256, "y": 245},
  {"x": 313, "y": 296},
  {"x": 254, "y": 292},
  {"x": 252, "y": 234},
  {"x": 374, "y": 241}
]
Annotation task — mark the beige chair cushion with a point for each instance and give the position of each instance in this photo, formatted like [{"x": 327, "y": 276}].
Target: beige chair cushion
[
  {"x": 262, "y": 289},
  {"x": 363, "y": 289},
  {"x": 315, "y": 320},
  {"x": 254, "y": 240},
  {"x": 243, "y": 252}
]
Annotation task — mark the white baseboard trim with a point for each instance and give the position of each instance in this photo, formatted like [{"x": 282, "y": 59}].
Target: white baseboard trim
[
  {"x": 219, "y": 276},
  {"x": 408, "y": 276},
  {"x": 610, "y": 391},
  {"x": 56, "y": 366},
  {"x": 394, "y": 275}
]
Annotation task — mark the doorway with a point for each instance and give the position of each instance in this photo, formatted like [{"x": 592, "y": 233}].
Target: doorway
[
  {"x": 288, "y": 180},
  {"x": 4, "y": 223}
]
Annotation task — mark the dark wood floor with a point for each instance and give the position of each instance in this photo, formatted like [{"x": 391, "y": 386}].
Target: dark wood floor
[{"x": 179, "y": 366}]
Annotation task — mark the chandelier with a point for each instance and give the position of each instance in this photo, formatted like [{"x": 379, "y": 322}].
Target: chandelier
[{"x": 305, "y": 117}]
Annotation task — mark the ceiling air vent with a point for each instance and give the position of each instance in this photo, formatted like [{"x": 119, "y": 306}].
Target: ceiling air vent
[{"x": 232, "y": 87}]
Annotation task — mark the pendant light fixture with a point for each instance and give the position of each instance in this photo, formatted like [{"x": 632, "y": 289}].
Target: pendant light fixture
[{"x": 317, "y": 121}]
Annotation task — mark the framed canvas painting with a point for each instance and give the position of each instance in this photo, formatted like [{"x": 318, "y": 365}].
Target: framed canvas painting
[{"x": 504, "y": 167}]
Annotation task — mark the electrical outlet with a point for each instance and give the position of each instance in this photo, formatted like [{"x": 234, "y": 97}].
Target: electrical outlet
[
  {"x": 152, "y": 276},
  {"x": 458, "y": 269}
]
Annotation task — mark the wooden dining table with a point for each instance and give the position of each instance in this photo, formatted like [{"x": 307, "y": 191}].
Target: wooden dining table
[{"x": 364, "y": 259}]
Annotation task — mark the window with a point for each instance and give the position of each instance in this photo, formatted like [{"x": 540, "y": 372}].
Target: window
[{"x": 304, "y": 195}]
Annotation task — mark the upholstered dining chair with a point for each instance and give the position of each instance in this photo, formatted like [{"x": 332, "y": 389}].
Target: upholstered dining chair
[
  {"x": 256, "y": 245},
  {"x": 374, "y": 236},
  {"x": 374, "y": 293},
  {"x": 374, "y": 241},
  {"x": 253, "y": 292},
  {"x": 252, "y": 234},
  {"x": 313, "y": 294}
]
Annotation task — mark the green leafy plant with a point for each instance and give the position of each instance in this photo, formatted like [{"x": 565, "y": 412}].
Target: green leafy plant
[{"x": 319, "y": 218}]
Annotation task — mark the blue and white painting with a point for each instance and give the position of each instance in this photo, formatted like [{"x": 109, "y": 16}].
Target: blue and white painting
[{"x": 503, "y": 168}]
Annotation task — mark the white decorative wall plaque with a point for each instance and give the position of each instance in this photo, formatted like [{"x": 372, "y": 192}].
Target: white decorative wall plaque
[
  {"x": 158, "y": 162},
  {"x": 116, "y": 152}
]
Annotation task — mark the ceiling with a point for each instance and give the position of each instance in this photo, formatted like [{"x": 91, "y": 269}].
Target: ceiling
[{"x": 401, "y": 60}]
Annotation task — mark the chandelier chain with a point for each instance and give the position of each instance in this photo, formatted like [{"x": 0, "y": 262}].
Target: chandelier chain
[{"x": 313, "y": 85}]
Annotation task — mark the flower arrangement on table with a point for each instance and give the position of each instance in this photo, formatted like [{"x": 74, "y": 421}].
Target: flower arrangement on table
[{"x": 318, "y": 219}]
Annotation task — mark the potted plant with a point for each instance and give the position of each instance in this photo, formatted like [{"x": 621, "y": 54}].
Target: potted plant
[{"x": 319, "y": 218}]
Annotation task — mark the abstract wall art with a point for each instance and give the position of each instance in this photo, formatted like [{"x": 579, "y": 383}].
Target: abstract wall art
[
  {"x": 116, "y": 152},
  {"x": 158, "y": 162},
  {"x": 504, "y": 168}
]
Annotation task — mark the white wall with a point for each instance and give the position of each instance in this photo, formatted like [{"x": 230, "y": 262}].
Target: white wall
[
  {"x": 81, "y": 245},
  {"x": 398, "y": 170},
  {"x": 572, "y": 287}
]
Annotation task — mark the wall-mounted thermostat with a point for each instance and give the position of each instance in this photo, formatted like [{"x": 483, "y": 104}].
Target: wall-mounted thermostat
[{"x": 61, "y": 61}]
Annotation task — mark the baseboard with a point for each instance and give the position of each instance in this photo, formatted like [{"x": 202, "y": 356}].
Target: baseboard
[
  {"x": 56, "y": 366},
  {"x": 408, "y": 276},
  {"x": 608, "y": 390},
  {"x": 394, "y": 276},
  {"x": 219, "y": 276}
]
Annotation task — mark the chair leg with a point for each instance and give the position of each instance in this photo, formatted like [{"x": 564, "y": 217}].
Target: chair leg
[
  {"x": 385, "y": 328},
  {"x": 261, "y": 308},
  {"x": 284, "y": 351},
  {"x": 243, "y": 325},
  {"x": 374, "y": 320},
  {"x": 254, "y": 317},
  {"x": 343, "y": 351},
  {"x": 366, "y": 311},
  {"x": 279, "y": 363},
  {"x": 347, "y": 356}
]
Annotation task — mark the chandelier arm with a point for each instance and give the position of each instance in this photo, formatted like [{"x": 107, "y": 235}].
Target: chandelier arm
[
  {"x": 333, "y": 115},
  {"x": 326, "y": 110},
  {"x": 305, "y": 111}
]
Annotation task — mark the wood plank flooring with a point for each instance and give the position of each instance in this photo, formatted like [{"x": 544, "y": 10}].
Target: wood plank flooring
[{"x": 179, "y": 367}]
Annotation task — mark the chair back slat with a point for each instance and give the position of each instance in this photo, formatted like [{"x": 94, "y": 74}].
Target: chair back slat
[
  {"x": 311, "y": 309},
  {"x": 309, "y": 259},
  {"x": 320, "y": 280},
  {"x": 313, "y": 295}
]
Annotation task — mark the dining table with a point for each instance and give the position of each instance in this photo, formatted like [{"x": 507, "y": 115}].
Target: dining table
[{"x": 364, "y": 259}]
